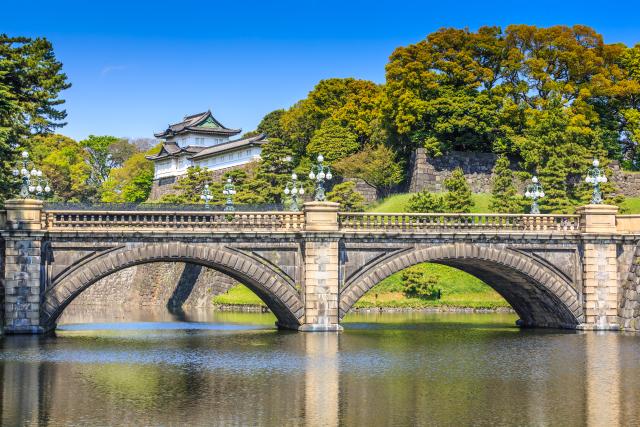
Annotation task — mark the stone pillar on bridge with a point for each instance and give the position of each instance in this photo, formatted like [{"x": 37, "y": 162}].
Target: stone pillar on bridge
[
  {"x": 23, "y": 266},
  {"x": 321, "y": 286},
  {"x": 600, "y": 266}
]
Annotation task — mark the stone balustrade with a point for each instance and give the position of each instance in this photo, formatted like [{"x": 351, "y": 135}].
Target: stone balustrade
[
  {"x": 62, "y": 220},
  {"x": 628, "y": 223},
  {"x": 416, "y": 222}
]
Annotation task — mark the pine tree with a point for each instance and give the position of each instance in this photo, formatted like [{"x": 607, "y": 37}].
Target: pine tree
[
  {"x": 504, "y": 196},
  {"x": 458, "y": 196},
  {"x": 345, "y": 193},
  {"x": 426, "y": 202},
  {"x": 553, "y": 178}
]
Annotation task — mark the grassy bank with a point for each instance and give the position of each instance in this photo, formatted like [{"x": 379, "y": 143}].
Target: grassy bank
[
  {"x": 398, "y": 203},
  {"x": 459, "y": 290}
]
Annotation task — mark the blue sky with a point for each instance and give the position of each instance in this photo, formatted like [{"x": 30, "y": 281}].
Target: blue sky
[{"x": 136, "y": 66}]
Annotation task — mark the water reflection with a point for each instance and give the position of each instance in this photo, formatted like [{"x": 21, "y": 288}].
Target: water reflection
[{"x": 204, "y": 368}]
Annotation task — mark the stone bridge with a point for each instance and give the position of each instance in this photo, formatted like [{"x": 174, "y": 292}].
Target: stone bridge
[{"x": 310, "y": 267}]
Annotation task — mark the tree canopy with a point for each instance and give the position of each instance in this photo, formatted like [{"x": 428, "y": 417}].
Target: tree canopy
[{"x": 31, "y": 80}]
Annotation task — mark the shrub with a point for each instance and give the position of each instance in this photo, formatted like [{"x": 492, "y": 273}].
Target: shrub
[
  {"x": 345, "y": 193},
  {"x": 417, "y": 284},
  {"x": 458, "y": 196},
  {"x": 425, "y": 201}
]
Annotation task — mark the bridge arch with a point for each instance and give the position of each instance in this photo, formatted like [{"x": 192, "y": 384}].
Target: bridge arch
[
  {"x": 274, "y": 288},
  {"x": 539, "y": 295}
]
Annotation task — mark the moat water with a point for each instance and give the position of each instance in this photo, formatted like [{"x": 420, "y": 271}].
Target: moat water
[{"x": 149, "y": 367}]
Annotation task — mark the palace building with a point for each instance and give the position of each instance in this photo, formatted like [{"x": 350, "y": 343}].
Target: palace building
[{"x": 200, "y": 140}]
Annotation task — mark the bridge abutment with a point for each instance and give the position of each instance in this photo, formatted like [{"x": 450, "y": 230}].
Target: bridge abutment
[{"x": 23, "y": 238}]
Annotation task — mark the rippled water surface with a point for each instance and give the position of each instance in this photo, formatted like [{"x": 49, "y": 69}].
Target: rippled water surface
[{"x": 110, "y": 367}]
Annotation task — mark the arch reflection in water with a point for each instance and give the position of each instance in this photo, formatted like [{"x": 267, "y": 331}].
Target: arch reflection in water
[{"x": 394, "y": 369}]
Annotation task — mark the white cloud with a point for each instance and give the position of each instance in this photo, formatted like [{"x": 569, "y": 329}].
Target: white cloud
[{"x": 112, "y": 68}]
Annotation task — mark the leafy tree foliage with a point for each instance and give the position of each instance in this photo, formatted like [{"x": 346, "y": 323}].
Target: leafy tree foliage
[
  {"x": 31, "y": 80},
  {"x": 333, "y": 141},
  {"x": 130, "y": 183},
  {"x": 377, "y": 166},
  {"x": 418, "y": 284},
  {"x": 64, "y": 163},
  {"x": 533, "y": 93},
  {"x": 354, "y": 104},
  {"x": 189, "y": 188},
  {"x": 504, "y": 195},
  {"x": 457, "y": 199},
  {"x": 345, "y": 193},
  {"x": 458, "y": 196},
  {"x": 427, "y": 202},
  {"x": 271, "y": 125},
  {"x": 99, "y": 156}
]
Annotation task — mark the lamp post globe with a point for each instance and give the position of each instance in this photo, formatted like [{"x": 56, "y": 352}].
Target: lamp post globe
[
  {"x": 34, "y": 183},
  {"x": 534, "y": 192},
  {"x": 320, "y": 173},
  {"x": 595, "y": 177},
  {"x": 292, "y": 190}
]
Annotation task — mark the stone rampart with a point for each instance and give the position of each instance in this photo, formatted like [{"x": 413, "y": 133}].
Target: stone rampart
[
  {"x": 161, "y": 284},
  {"x": 429, "y": 173}
]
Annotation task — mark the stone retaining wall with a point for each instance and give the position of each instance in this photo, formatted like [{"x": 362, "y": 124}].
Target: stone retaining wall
[
  {"x": 162, "y": 284},
  {"x": 429, "y": 173},
  {"x": 630, "y": 301}
]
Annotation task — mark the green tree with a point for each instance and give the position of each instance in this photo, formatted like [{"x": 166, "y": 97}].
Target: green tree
[
  {"x": 99, "y": 157},
  {"x": 31, "y": 80},
  {"x": 504, "y": 195},
  {"x": 427, "y": 202},
  {"x": 553, "y": 178},
  {"x": 130, "y": 183},
  {"x": 271, "y": 125},
  {"x": 458, "y": 196},
  {"x": 345, "y": 193},
  {"x": 64, "y": 163},
  {"x": 418, "y": 284},
  {"x": 333, "y": 141},
  {"x": 189, "y": 188},
  {"x": 354, "y": 104},
  {"x": 274, "y": 169},
  {"x": 377, "y": 166}
]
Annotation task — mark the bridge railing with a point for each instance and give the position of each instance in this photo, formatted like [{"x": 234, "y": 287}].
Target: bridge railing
[
  {"x": 628, "y": 223},
  {"x": 67, "y": 220},
  {"x": 419, "y": 222}
]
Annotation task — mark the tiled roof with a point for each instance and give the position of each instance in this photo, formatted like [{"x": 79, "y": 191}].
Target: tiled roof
[
  {"x": 231, "y": 145},
  {"x": 193, "y": 124},
  {"x": 171, "y": 149}
]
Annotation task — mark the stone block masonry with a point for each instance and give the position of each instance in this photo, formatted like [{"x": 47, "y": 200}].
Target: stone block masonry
[
  {"x": 22, "y": 282},
  {"x": 158, "y": 284},
  {"x": 428, "y": 173}
]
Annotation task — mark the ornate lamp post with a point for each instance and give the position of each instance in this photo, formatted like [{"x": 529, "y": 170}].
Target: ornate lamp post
[
  {"x": 296, "y": 190},
  {"x": 320, "y": 173},
  {"x": 206, "y": 196},
  {"x": 595, "y": 176},
  {"x": 33, "y": 181},
  {"x": 229, "y": 190},
  {"x": 534, "y": 192}
]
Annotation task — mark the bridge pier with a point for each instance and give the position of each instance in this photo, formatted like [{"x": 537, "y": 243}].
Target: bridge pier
[
  {"x": 23, "y": 238},
  {"x": 321, "y": 258},
  {"x": 600, "y": 267}
]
